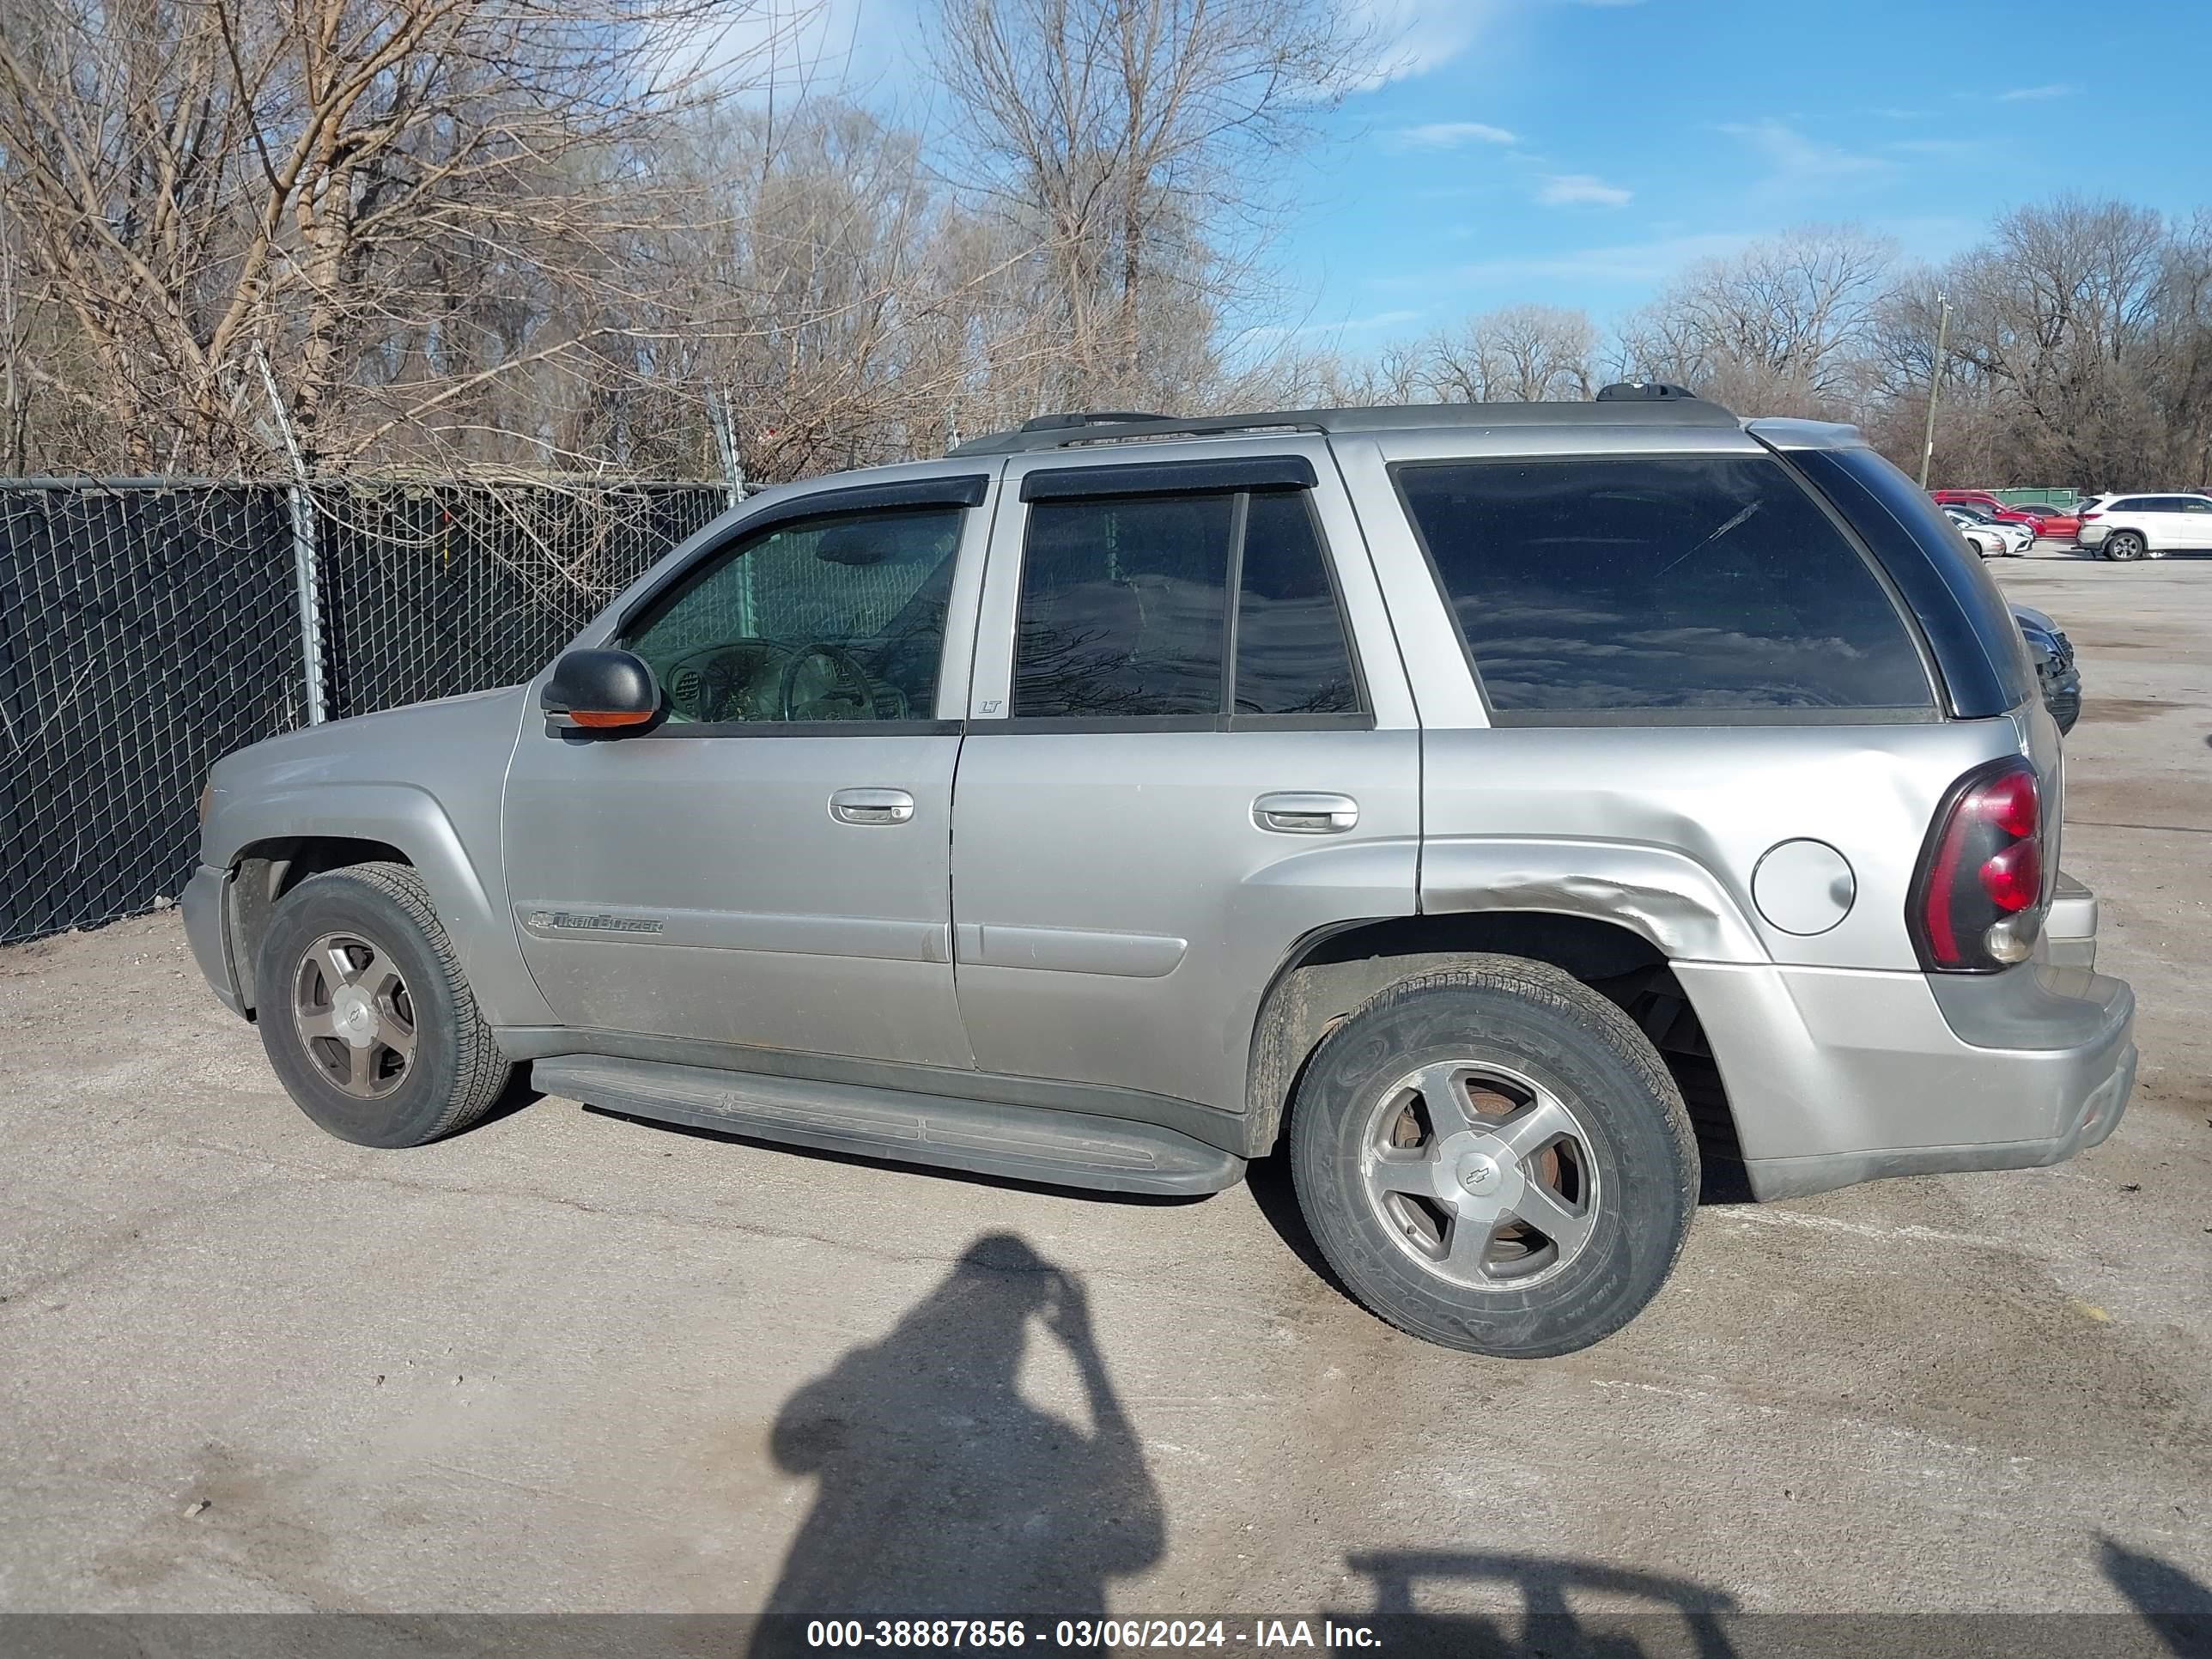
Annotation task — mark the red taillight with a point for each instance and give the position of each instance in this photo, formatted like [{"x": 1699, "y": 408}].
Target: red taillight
[
  {"x": 1975, "y": 904},
  {"x": 2010, "y": 800},
  {"x": 2014, "y": 879},
  {"x": 2085, "y": 517}
]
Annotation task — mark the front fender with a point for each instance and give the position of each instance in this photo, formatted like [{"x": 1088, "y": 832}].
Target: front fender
[
  {"x": 430, "y": 780},
  {"x": 409, "y": 817}
]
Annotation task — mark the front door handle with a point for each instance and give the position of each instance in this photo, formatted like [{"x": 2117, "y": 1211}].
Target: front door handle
[
  {"x": 1297, "y": 814},
  {"x": 871, "y": 806}
]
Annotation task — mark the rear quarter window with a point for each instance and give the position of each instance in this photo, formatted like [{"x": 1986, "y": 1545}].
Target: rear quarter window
[
  {"x": 1968, "y": 626},
  {"x": 1660, "y": 590}
]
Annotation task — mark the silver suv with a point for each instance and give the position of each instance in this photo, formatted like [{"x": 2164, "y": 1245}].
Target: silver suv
[{"x": 1502, "y": 809}]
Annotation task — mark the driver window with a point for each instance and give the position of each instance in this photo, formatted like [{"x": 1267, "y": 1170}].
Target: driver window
[{"x": 835, "y": 618}]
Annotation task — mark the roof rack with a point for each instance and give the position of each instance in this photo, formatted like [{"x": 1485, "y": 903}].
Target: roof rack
[
  {"x": 1089, "y": 418},
  {"x": 1629, "y": 403}
]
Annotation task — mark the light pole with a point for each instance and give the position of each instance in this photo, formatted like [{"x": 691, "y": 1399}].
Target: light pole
[{"x": 1934, "y": 383}]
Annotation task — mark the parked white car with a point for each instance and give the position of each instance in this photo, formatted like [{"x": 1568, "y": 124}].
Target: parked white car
[
  {"x": 1990, "y": 537},
  {"x": 1982, "y": 537},
  {"x": 2147, "y": 527}
]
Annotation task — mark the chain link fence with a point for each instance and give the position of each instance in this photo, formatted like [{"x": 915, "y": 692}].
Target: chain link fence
[{"x": 148, "y": 627}]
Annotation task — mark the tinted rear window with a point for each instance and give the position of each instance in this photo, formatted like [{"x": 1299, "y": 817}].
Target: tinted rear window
[
  {"x": 1659, "y": 588},
  {"x": 1969, "y": 627},
  {"x": 1291, "y": 654},
  {"x": 1123, "y": 605}
]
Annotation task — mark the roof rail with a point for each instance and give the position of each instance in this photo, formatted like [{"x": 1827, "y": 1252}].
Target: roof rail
[
  {"x": 1088, "y": 418},
  {"x": 1653, "y": 404}
]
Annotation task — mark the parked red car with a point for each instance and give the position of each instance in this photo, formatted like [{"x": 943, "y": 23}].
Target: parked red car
[{"x": 1996, "y": 509}]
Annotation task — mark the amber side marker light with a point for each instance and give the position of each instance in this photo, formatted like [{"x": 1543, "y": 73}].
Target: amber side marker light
[{"x": 600, "y": 719}]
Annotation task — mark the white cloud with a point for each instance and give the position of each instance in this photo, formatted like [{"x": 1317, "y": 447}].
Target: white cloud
[
  {"x": 1800, "y": 164},
  {"x": 1620, "y": 262},
  {"x": 1420, "y": 35},
  {"x": 1366, "y": 324},
  {"x": 1450, "y": 134},
  {"x": 1942, "y": 149},
  {"x": 2018, "y": 93},
  {"x": 864, "y": 49},
  {"x": 1578, "y": 189}
]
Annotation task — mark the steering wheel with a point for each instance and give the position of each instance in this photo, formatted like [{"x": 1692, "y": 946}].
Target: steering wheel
[
  {"x": 713, "y": 682},
  {"x": 851, "y": 686}
]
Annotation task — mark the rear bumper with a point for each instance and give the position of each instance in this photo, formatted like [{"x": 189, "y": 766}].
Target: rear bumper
[
  {"x": 1836, "y": 1076},
  {"x": 2089, "y": 1121},
  {"x": 2070, "y": 932},
  {"x": 204, "y": 906}
]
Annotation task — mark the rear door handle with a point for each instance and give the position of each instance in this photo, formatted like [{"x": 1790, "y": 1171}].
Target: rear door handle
[
  {"x": 871, "y": 806},
  {"x": 1297, "y": 814}
]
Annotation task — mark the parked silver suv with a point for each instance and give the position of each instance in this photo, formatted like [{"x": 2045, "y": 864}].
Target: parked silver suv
[{"x": 1492, "y": 806}]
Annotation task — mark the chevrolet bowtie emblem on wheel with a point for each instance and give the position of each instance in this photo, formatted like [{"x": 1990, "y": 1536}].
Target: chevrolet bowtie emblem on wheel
[{"x": 571, "y": 922}]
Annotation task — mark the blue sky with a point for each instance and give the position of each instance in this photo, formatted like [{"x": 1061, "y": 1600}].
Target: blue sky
[{"x": 1579, "y": 152}]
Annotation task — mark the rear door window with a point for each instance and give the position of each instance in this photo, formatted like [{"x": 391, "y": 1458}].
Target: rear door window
[
  {"x": 1124, "y": 607},
  {"x": 1669, "y": 590},
  {"x": 1126, "y": 613},
  {"x": 1292, "y": 653}
]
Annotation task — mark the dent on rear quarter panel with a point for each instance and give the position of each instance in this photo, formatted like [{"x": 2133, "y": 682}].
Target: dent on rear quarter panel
[{"x": 1661, "y": 828}]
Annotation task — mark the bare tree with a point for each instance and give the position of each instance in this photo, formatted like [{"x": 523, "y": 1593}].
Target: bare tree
[
  {"x": 1781, "y": 328},
  {"x": 1524, "y": 353},
  {"x": 1138, "y": 144},
  {"x": 407, "y": 200},
  {"x": 2056, "y": 317}
]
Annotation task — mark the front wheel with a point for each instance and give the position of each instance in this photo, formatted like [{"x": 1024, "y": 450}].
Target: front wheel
[
  {"x": 2125, "y": 545},
  {"x": 365, "y": 1014},
  {"x": 1492, "y": 1157}
]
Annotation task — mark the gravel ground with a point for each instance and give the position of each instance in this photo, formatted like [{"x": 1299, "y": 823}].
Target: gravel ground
[{"x": 568, "y": 1361}]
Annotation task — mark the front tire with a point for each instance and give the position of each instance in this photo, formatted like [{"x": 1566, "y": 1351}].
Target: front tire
[
  {"x": 1493, "y": 1157},
  {"x": 2124, "y": 545},
  {"x": 366, "y": 1015}
]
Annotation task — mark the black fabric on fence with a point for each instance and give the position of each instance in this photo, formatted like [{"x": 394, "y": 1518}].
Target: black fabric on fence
[
  {"x": 146, "y": 630},
  {"x": 144, "y": 634}
]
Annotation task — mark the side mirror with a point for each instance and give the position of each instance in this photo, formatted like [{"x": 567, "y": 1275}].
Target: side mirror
[{"x": 600, "y": 690}]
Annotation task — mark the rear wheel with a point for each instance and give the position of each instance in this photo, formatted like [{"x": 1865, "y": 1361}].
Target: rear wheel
[
  {"x": 2125, "y": 545},
  {"x": 366, "y": 1015},
  {"x": 1493, "y": 1157}
]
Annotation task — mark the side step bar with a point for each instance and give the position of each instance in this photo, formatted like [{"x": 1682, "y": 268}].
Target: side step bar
[{"x": 1067, "y": 1149}]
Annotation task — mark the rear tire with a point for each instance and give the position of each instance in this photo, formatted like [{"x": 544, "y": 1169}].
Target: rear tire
[
  {"x": 2124, "y": 545},
  {"x": 366, "y": 1015},
  {"x": 1493, "y": 1157}
]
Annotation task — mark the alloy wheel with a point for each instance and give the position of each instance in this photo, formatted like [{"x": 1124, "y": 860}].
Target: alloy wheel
[
  {"x": 353, "y": 1015},
  {"x": 1480, "y": 1174}
]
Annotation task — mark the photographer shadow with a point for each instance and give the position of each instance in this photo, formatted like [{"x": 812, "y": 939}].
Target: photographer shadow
[{"x": 941, "y": 1492}]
